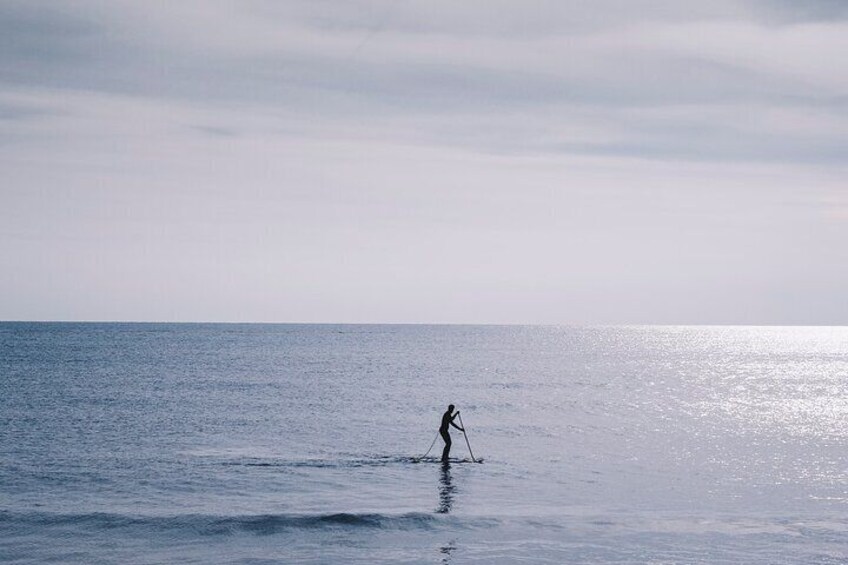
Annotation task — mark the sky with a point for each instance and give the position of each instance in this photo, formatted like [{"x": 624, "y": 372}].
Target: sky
[{"x": 411, "y": 161}]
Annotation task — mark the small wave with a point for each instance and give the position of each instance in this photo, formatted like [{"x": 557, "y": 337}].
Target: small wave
[{"x": 212, "y": 525}]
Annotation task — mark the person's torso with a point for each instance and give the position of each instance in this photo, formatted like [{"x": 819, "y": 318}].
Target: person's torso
[{"x": 446, "y": 420}]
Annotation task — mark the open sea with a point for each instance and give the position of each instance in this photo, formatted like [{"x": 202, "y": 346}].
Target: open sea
[{"x": 229, "y": 443}]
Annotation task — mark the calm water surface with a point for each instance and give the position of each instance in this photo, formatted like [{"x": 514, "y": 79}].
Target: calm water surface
[{"x": 145, "y": 443}]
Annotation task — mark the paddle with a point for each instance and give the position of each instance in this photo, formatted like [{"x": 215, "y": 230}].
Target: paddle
[
  {"x": 431, "y": 446},
  {"x": 466, "y": 437}
]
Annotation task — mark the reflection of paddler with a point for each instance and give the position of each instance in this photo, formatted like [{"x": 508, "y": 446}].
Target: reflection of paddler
[
  {"x": 447, "y": 420},
  {"x": 446, "y": 489}
]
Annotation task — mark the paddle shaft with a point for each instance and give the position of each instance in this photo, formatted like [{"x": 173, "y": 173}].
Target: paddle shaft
[
  {"x": 431, "y": 445},
  {"x": 466, "y": 437}
]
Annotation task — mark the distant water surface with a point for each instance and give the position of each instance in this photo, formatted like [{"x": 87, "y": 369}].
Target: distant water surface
[{"x": 199, "y": 443}]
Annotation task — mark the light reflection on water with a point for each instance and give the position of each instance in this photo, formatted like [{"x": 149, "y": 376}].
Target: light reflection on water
[
  {"x": 777, "y": 398},
  {"x": 790, "y": 380}
]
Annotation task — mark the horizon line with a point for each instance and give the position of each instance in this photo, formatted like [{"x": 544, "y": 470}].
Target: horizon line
[{"x": 490, "y": 324}]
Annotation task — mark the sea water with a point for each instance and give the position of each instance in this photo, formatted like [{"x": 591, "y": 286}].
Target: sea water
[{"x": 207, "y": 443}]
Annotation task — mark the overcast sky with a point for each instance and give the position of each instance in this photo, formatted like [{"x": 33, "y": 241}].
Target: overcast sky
[{"x": 480, "y": 161}]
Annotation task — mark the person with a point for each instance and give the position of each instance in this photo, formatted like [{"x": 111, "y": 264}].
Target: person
[{"x": 447, "y": 420}]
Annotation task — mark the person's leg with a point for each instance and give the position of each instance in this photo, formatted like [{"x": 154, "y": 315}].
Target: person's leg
[{"x": 446, "y": 450}]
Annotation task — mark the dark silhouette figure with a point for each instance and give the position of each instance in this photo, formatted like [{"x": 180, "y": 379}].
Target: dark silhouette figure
[{"x": 447, "y": 420}]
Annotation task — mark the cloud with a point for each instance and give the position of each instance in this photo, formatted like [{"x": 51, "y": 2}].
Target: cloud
[
  {"x": 391, "y": 158},
  {"x": 440, "y": 60},
  {"x": 19, "y": 112},
  {"x": 787, "y": 11}
]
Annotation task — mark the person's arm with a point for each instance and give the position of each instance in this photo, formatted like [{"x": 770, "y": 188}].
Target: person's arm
[{"x": 454, "y": 425}]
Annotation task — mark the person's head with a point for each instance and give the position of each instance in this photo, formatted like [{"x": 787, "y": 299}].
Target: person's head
[{"x": 450, "y": 408}]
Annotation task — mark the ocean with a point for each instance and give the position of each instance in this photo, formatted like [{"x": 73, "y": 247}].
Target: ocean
[{"x": 253, "y": 443}]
